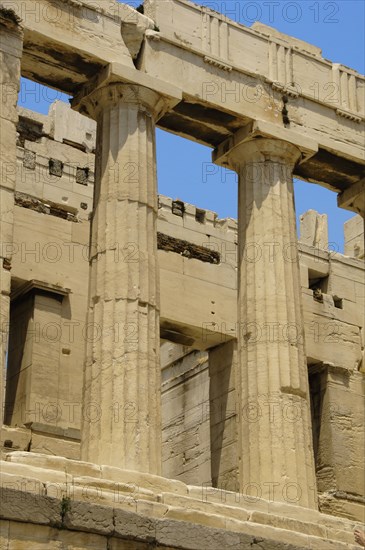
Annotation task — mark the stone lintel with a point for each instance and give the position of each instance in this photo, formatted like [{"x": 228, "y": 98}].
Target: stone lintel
[
  {"x": 259, "y": 129},
  {"x": 57, "y": 431},
  {"x": 116, "y": 73},
  {"x": 353, "y": 198},
  {"x": 41, "y": 286},
  {"x": 134, "y": 24},
  {"x": 329, "y": 368}
]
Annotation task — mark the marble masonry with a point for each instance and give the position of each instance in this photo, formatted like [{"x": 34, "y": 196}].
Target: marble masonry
[{"x": 170, "y": 379}]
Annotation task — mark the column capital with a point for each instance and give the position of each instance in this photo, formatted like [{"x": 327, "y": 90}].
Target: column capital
[
  {"x": 113, "y": 94},
  {"x": 267, "y": 141},
  {"x": 117, "y": 84},
  {"x": 262, "y": 150}
]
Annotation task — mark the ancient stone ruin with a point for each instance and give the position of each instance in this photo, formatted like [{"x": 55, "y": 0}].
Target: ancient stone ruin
[{"x": 171, "y": 379}]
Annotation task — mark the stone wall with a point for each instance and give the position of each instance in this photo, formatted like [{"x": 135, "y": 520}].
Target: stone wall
[
  {"x": 185, "y": 415},
  {"x": 52, "y": 502}
]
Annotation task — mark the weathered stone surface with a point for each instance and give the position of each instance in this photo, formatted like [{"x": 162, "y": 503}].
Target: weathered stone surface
[
  {"x": 354, "y": 237},
  {"x": 15, "y": 439},
  {"x": 186, "y": 249},
  {"x": 134, "y": 526},
  {"x": 224, "y": 415},
  {"x": 70, "y": 127},
  {"x": 55, "y": 446},
  {"x": 10, "y": 57},
  {"x": 29, "y": 160},
  {"x": 179, "y": 522},
  {"x": 135, "y": 301},
  {"x": 314, "y": 229},
  {"x": 185, "y": 417},
  {"x": 273, "y": 368},
  {"x": 94, "y": 519},
  {"x": 22, "y": 505},
  {"x": 171, "y": 533},
  {"x": 24, "y": 536},
  {"x": 205, "y": 39},
  {"x": 144, "y": 479}
]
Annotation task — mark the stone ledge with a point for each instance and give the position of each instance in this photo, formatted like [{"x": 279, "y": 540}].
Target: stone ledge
[
  {"x": 202, "y": 217},
  {"x": 158, "y": 510},
  {"x": 64, "y": 514}
]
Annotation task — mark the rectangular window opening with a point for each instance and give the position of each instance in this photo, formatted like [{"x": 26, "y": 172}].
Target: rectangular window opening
[
  {"x": 200, "y": 215},
  {"x": 338, "y": 302},
  {"x": 318, "y": 284}
]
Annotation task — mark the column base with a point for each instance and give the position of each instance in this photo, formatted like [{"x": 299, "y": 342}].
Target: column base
[{"x": 63, "y": 498}]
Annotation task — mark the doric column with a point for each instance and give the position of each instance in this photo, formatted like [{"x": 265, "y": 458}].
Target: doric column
[
  {"x": 121, "y": 398},
  {"x": 275, "y": 439},
  {"x": 11, "y": 46}
]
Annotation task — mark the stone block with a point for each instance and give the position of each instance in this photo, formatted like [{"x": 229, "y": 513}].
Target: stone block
[
  {"x": 29, "y": 160},
  {"x": 9, "y": 81},
  {"x": 81, "y": 235},
  {"x": 38, "y": 460},
  {"x": 8, "y": 165},
  {"x": 80, "y": 541},
  {"x": 150, "y": 509},
  {"x": 295, "y": 525},
  {"x": 314, "y": 229},
  {"x": 171, "y": 533},
  {"x": 29, "y": 507},
  {"x": 81, "y": 469},
  {"x": 40, "y": 473},
  {"x": 54, "y": 446},
  {"x": 129, "y": 525},
  {"x": 93, "y": 518},
  {"x": 23, "y": 484},
  {"x": 143, "y": 480},
  {"x": 196, "y": 505},
  {"x": 354, "y": 237},
  {"x": 304, "y": 279},
  {"x": 39, "y": 537},
  {"x": 121, "y": 491},
  {"x": 15, "y": 439},
  {"x": 72, "y": 127},
  {"x": 229, "y": 498},
  {"x": 119, "y": 544}
]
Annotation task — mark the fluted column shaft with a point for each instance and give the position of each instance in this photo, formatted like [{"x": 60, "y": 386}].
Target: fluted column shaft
[
  {"x": 11, "y": 47},
  {"x": 275, "y": 442},
  {"x": 121, "y": 399}
]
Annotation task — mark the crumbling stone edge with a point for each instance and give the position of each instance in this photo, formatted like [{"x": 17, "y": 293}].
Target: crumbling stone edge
[
  {"x": 111, "y": 522},
  {"x": 9, "y": 15}
]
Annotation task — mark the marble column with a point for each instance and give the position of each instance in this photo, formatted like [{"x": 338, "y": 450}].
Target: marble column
[
  {"x": 121, "y": 399},
  {"x": 275, "y": 439},
  {"x": 11, "y": 46}
]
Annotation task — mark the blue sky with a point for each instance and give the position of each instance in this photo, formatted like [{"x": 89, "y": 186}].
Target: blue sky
[{"x": 184, "y": 167}]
